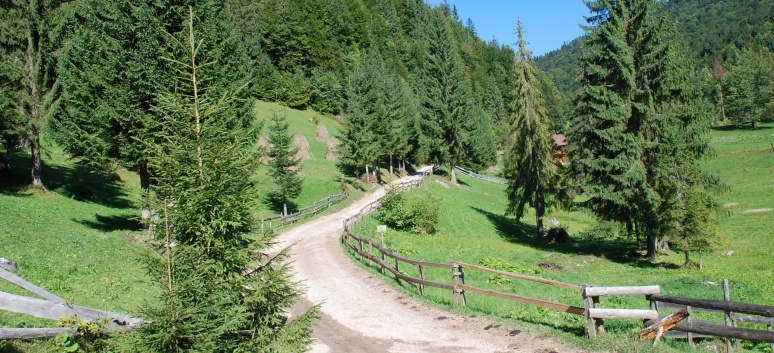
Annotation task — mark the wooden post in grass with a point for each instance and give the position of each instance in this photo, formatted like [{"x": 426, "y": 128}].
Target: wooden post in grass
[
  {"x": 728, "y": 315},
  {"x": 587, "y": 305},
  {"x": 454, "y": 282},
  {"x": 383, "y": 262},
  {"x": 656, "y": 330},
  {"x": 422, "y": 286},
  {"x": 462, "y": 291}
]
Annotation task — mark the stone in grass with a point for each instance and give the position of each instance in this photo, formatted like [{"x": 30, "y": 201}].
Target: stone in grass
[{"x": 8, "y": 265}]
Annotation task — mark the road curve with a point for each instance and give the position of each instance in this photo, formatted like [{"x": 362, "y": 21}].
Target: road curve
[{"x": 361, "y": 313}]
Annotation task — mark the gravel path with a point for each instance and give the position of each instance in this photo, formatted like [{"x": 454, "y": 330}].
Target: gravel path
[{"x": 361, "y": 313}]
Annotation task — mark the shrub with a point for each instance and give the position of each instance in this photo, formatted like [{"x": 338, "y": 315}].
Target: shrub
[{"x": 419, "y": 213}]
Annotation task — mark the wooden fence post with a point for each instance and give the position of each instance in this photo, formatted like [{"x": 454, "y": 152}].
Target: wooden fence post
[
  {"x": 360, "y": 246},
  {"x": 600, "y": 323},
  {"x": 383, "y": 262},
  {"x": 729, "y": 317},
  {"x": 370, "y": 252},
  {"x": 770, "y": 322},
  {"x": 690, "y": 334},
  {"x": 462, "y": 291},
  {"x": 587, "y": 305},
  {"x": 422, "y": 286},
  {"x": 454, "y": 283}
]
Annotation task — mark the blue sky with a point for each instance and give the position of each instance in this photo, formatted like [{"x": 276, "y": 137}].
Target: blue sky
[{"x": 548, "y": 23}]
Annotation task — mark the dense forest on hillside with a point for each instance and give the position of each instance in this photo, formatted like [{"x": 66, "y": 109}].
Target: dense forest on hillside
[{"x": 739, "y": 34}]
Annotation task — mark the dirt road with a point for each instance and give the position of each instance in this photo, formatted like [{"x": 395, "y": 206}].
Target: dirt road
[{"x": 364, "y": 314}]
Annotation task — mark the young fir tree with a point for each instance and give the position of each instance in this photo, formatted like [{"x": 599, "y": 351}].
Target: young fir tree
[
  {"x": 442, "y": 92},
  {"x": 113, "y": 69},
  {"x": 639, "y": 127},
  {"x": 529, "y": 164},
  {"x": 220, "y": 291},
  {"x": 284, "y": 166},
  {"x": 32, "y": 34}
]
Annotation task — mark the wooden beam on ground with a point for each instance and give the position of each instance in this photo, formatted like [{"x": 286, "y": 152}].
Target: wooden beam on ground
[
  {"x": 10, "y": 277},
  {"x": 33, "y": 333},
  {"x": 54, "y": 311},
  {"x": 656, "y": 330},
  {"x": 721, "y": 330}
]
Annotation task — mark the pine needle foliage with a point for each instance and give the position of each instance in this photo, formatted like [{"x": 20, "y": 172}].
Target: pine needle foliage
[
  {"x": 639, "y": 126},
  {"x": 284, "y": 166},
  {"x": 220, "y": 291},
  {"x": 530, "y": 166}
]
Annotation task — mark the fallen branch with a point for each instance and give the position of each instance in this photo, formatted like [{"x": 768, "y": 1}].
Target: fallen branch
[{"x": 656, "y": 330}]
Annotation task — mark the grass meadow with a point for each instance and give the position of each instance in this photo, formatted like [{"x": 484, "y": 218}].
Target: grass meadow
[
  {"x": 474, "y": 229},
  {"x": 81, "y": 238}
]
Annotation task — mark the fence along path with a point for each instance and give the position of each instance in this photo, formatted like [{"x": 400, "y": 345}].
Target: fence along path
[
  {"x": 314, "y": 209},
  {"x": 390, "y": 261},
  {"x": 480, "y": 176}
]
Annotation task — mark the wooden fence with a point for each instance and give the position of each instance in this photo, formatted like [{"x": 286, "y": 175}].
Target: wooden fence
[
  {"x": 390, "y": 261},
  {"x": 54, "y": 308},
  {"x": 325, "y": 203},
  {"x": 479, "y": 176}
]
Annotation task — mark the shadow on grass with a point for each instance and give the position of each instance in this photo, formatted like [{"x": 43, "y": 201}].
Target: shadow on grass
[
  {"x": 112, "y": 223},
  {"x": 616, "y": 250},
  {"x": 741, "y": 127},
  {"x": 77, "y": 182},
  {"x": 6, "y": 347},
  {"x": 275, "y": 204}
]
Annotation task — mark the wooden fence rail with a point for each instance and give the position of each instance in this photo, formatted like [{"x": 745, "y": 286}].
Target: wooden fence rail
[
  {"x": 479, "y": 176},
  {"x": 314, "y": 209}
]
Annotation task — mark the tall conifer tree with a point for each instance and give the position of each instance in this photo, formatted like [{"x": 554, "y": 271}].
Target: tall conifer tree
[
  {"x": 442, "y": 92},
  {"x": 639, "y": 127},
  {"x": 220, "y": 292},
  {"x": 284, "y": 164},
  {"x": 530, "y": 167},
  {"x": 32, "y": 33}
]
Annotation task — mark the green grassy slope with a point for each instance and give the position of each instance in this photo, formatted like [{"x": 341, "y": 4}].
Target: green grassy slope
[{"x": 473, "y": 230}]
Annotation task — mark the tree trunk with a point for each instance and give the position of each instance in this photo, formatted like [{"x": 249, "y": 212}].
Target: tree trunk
[
  {"x": 35, "y": 149},
  {"x": 722, "y": 107},
  {"x": 284, "y": 208},
  {"x": 687, "y": 258},
  {"x": 145, "y": 187},
  {"x": 652, "y": 239},
  {"x": 540, "y": 211},
  {"x": 453, "y": 175},
  {"x": 366, "y": 174},
  {"x": 391, "y": 173}
]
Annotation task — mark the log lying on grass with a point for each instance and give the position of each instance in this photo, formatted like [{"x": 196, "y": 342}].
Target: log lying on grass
[
  {"x": 657, "y": 329},
  {"x": 32, "y": 333}
]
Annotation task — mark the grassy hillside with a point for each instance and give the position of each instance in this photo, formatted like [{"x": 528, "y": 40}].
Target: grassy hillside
[
  {"x": 473, "y": 230},
  {"x": 81, "y": 238}
]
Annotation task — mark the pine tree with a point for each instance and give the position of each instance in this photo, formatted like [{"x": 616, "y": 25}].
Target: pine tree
[
  {"x": 220, "y": 291},
  {"x": 750, "y": 88},
  {"x": 442, "y": 92},
  {"x": 639, "y": 123},
  {"x": 33, "y": 32},
  {"x": 397, "y": 112},
  {"x": 360, "y": 143},
  {"x": 113, "y": 69},
  {"x": 284, "y": 165},
  {"x": 530, "y": 167}
]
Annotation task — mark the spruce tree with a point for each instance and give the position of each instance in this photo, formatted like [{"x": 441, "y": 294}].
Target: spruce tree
[
  {"x": 529, "y": 164},
  {"x": 397, "y": 112},
  {"x": 359, "y": 142},
  {"x": 640, "y": 126},
  {"x": 284, "y": 166},
  {"x": 220, "y": 291},
  {"x": 442, "y": 92},
  {"x": 113, "y": 69},
  {"x": 32, "y": 33}
]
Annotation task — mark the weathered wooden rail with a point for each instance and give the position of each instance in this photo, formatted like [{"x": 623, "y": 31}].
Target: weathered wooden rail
[
  {"x": 390, "y": 261},
  {"x": 54, "y": 308},
  {"x": 323, "y": 204},
  {"x": 480, "y": 176}
]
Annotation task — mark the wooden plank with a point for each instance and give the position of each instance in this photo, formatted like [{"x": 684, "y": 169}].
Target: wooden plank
[
  {"x": 54, "y": 311},
  {"x": 744, "y": 308},
  {"x": 520, "y": 276},
  {"x": 755, "y": 320},
  {"x": 531, "y": 301},
  {"x": 663, "y": 325},
  {"x": 670, "y": 306},
  {"x": 10, "y": 277},
  {"x": 424, "y": 282},
  {"x": 31, "y": 333},
  {"x": 612, "y": 291},
  {"x": 721, "y": 330},
  {"x": 623, "y": 314}
]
